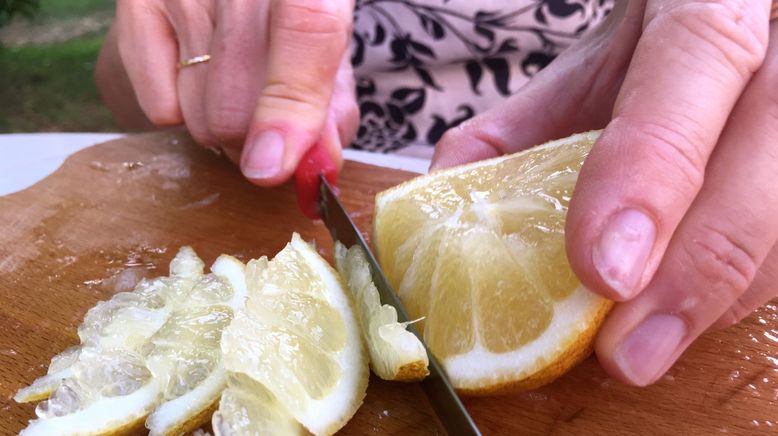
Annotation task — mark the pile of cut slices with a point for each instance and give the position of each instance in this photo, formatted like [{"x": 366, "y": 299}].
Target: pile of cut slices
[
  {"x": 271, "y": 347},
  {"x": 282, "y": 346}
]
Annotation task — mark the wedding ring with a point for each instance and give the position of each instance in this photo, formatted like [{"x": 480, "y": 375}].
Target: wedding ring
[{"x": 194, "y": 61}]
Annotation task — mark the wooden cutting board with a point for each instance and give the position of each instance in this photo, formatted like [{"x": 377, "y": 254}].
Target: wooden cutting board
[{"x": 119, "y": 211}]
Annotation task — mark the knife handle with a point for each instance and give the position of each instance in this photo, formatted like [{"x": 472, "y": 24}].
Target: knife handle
[{"x": 315, "y": 163}]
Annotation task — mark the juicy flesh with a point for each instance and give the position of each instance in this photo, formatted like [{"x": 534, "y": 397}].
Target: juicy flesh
[
  {"x": 168, "y": 329},
  {"x": 391, "y": 346},
  {"x": 286, "y": 337},
  {"x": 481, "y": 253},
  {"x": 186, "y": 349},
  {"x": 248, "y": 408}
]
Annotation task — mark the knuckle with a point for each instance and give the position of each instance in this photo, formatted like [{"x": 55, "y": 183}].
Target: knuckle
[
  {"x": 187, "y": 11},
  {"x": 769, "y": 95},
  {"x": 468, "y": 133},
  {"x": 729, "y": 30},
  {"x": 351, "y": 111},
  {"x": 723, "y": 260},
  {"x": 311, "y": 17},
  {"x": 293, "y": 97},
  {"x": 227, "y": 122},
  {"x": 134, "y": 8},
  {"x": 455, "y": 137},
  {"x": 161, "y": 114},
  {"x": 346, "y": 113},
  {"x": 352, "y": 118},
  {"x": 201, "y": 136},
  {"x": 676, "y": 148},
  {"x": 199, "y": 131},
  {"x": 763, "y": 86},
  {"x": 734, "y": 314},
  {"x": 348, "y": 130}
]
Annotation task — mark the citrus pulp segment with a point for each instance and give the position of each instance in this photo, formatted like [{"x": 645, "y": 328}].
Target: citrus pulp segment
[
  {"x": 477, "y": 251},
  {"x": 107, "y": 385},
  {"x": 395, "y": 353},
  {"x": 157, "y": 344},
  {"x": 186, "y": 353},
  {"x": 298, "y": 337},
  {"x": 248, "y": 408}
]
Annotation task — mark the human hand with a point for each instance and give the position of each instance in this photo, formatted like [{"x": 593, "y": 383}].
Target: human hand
[
  {"x": 674, "y": 210},
  {"x": 278, "y": 80}
]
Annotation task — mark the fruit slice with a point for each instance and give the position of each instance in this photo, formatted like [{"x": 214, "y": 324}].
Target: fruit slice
[
  {"x": 59, "y": 369},
  {"x": 159, "y": 343},
  {"x": 395, "y": 353},
  {"x": 103, "y": 384},
  {"x": 248, "y": 408},
  {"x": 299, "y": 338},
  {"x": 478, "y": 251},
  {"x": 108, "y": 392},
  {"x": 127, "y": 320},
  {"x": 185, "y": 356}
]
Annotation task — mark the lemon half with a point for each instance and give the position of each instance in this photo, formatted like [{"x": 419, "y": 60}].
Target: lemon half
[{"x": 478, "y": 252}]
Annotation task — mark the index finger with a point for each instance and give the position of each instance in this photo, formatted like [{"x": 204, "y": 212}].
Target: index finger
[
  {"x": 147, "y": 45},
  {"x": 688, "y": 70},
  {"x": 307, "y": 42}
]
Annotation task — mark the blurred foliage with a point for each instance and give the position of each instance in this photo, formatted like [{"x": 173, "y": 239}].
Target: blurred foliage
[
  {"x": 49, "y": 86},
  {"x": 13, "y": 8},
  {"x": 53, "y": 88},
  {"x": 59, "y": 9}
]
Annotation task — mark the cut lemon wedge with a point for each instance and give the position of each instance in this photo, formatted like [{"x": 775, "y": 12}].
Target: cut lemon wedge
[
  {"x": 103, "y": 385},
  {"x": 248, "y": 408},
  {"x": 395, "y": 353},
  {"x": 156, "y": 345},
  {"x": 478, "y": 252},
  {"x": 125, "y": 321},
  {"x": 185, "y": 355},
  {"x": 299, "y": 339},
  {"x": 59, "y": 369}
]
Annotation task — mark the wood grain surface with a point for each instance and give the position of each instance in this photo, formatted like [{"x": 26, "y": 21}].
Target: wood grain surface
[{"x": 119, "y": 211}]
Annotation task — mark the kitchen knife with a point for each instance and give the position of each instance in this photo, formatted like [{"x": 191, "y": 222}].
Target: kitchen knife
[{"x": 314, "y": 178}]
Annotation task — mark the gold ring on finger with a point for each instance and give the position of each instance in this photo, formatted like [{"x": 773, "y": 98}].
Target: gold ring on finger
[{"x": 194, "y": 61}]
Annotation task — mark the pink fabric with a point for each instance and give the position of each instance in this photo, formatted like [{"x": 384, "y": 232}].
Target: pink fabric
[{"x": 423, "y": 66}]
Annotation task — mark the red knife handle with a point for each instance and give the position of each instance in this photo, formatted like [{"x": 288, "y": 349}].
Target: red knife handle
[{"x": 315, "y": 162}]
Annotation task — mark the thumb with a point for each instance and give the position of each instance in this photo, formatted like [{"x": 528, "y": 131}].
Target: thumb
[{"x": 307, "y": 42}]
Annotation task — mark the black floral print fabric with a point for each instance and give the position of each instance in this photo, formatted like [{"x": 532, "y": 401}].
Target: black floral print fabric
[{"x": 424, "y": 66}]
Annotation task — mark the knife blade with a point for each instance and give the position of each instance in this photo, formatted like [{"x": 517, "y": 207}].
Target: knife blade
[
  {"x": 316, "y": 171},
  {"x": 440, "y": 393}
]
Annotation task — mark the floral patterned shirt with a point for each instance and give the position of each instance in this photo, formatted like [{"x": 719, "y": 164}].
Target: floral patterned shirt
[{"x": 424, "y": 66}]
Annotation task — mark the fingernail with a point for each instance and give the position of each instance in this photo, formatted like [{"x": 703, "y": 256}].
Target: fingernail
[
  {"x": 647, "y": 350},
  {"x": 621, "y": 254},
  {"x": 264, "y": 156}
]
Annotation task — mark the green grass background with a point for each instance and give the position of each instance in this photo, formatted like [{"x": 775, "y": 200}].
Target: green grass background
[
  {"x": 58, "y": 9},
  {"x": 51, "y": 87}
]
